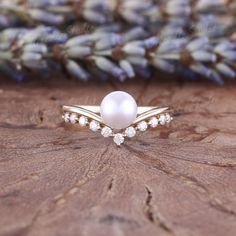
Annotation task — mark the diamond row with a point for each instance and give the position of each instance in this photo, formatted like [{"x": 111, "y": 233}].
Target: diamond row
[
  {"x": 73, "y": 118},
  {"x": 106, "y": 132},
  {"x": 163, "y": 119},
  {"x": 131, "y": 131}
]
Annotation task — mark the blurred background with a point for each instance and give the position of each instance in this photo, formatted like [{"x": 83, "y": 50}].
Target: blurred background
[{"x": 118, "y": 39}]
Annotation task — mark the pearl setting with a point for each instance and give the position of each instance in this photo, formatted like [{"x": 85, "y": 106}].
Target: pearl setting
[{"x": 118, "y": 110}]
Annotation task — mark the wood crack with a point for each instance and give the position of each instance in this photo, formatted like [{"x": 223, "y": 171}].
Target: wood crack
[
  {"x": 110, "y": 186},
  {"x": 218, "y": 205},
  {"x": 148, "y": 207},
  {"x": 152, "y": 216}
]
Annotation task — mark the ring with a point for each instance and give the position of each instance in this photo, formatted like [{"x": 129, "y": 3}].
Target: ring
[{"x": 118, "y": 116}]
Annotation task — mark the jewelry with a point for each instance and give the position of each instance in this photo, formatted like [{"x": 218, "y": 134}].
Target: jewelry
[{"x": 117, "y": 117}]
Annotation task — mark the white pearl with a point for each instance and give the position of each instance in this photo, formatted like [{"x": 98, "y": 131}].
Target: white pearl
[{"x": 118, "y": 110}]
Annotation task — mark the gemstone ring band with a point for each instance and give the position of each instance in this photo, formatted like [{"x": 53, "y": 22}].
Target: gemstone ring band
[{"x": 118, "y": 116}]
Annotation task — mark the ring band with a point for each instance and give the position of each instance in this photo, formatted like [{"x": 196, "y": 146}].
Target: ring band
[{"x": 112, "y": 116}]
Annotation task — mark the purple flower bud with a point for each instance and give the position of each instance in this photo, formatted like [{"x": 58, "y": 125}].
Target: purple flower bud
[
  {"x": 108, "y": 41},
  {"x": 133, "y": 50},
  {"x": 163, "y": 65},
  {"x": 216, "y": 78},
  {"x": 3, "y": 21},
  {"x": 127, "y": 67},
  {"x": 30, "y": 56},
  {"x": 46, "y": 17},
  {"x": 94, "y": 16},
  {"x": 78, "y": 52},
  {"x": 36, "y": 64},
  {"x": 203, "y": 5},
  {"x": 133, "y": 34},
  {"x": 95, "y": 5},
  {"x": 135, "y": 5},
  {"x": 229, "y": 55},
  {"x": 109, "y": 67},
  {"x": 137, "y": 61},
  {"x": 225, "y": 70},
  {"x": 204, "y": 56},
  {"x": 80, "y": 40},
  {"x": 76, "y": 70},
  {"x": 45, "y": 3},
  {"x": 178, "y": 10},
  {"x": 133, "y": 17},
  {"x": 151, "y": 42},
  {"x": 197, "y": 44},
  {"x": 172, "y": 45},
  {"x": 39, "y": 48},
  {"x": 201, "y": 69},
  {"x": 225, "y": 46}
]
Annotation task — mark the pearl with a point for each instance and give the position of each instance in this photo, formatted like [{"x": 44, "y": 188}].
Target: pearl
[{"x": 118, "y": 110}]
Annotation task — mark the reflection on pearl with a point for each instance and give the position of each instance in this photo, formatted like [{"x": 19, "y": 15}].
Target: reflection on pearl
[{"x": 118, "y": 110}]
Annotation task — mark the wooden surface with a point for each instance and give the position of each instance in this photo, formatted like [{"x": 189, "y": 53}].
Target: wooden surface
[{"x": 60, "y": 181}]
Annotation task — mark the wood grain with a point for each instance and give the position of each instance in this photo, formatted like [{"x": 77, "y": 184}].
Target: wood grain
[{"x": 58, "y": 180}]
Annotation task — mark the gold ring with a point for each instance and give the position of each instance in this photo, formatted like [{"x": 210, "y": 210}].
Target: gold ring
[{"x": 118, "y": 116}]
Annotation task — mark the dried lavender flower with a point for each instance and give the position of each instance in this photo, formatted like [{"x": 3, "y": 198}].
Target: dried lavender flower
[
  {"x": 120, "y": 54},
  {"x": 100, "y": 12}
]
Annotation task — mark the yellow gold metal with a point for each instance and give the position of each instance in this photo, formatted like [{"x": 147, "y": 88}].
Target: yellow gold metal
[
  {"x": 152, "y": 111},
  {"x": 88, "y": 111},
  {"x": 93, "y": 112}
]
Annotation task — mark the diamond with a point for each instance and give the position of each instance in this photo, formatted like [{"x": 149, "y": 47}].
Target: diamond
[
  {"x": 83, "y": 121},
  {"x": 153, "y": 122},
  {"x": 168, "y": 118},
  {"x": 66, "y": 117},
  {"x": 106, "y": 132},
  {"x": 162, "y": 119},
  {"x": 94, "y": 125},
  {"x": 142, "y": 126},
  {"x": 73, "y": 118},
  {"x": 119, "y": 139},
  {"x": 130, "y": 132}
]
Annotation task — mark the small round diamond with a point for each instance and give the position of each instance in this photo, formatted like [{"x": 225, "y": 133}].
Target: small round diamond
[
  {"x": 119, "y": 139},
  {"x": 162, "y": 119},
  {"x": 168, "y": 118},
  {"x": 130, "y": 132},
  {"x": 67, "y": 117},
  {"x": 142, "y": 126},
  {"x": 94, "y": 125},
  {"x": 106, "y": 132},
  {"x": 153, "y": 122},
  {"x": 83, "y": 121},
  {"x": 73, "y": 118}
]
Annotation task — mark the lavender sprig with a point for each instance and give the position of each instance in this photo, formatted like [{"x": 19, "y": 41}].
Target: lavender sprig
[
  {"x": 100, "y": 12},
  {"x": 122, "y": 55}
]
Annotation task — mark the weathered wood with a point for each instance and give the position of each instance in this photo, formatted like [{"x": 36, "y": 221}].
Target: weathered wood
[{"x": 58, "y": 180}]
